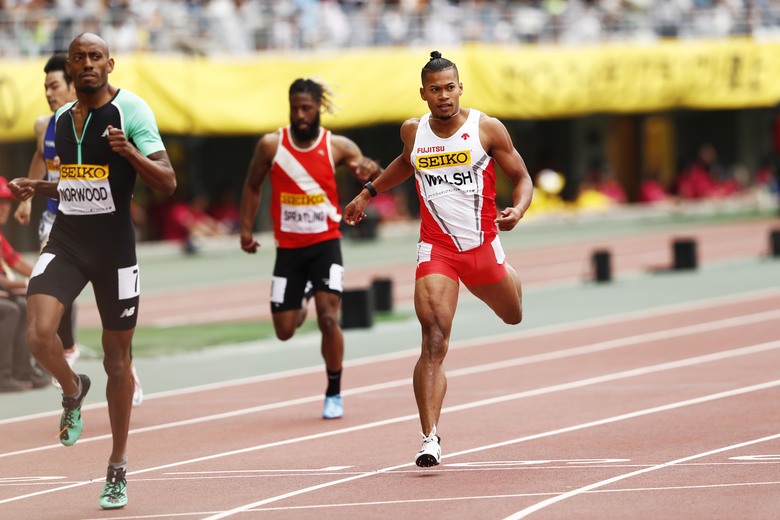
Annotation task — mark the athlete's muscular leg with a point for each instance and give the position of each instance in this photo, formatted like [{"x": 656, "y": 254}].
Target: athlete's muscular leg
[
  {"x": 285, "y": 323},
  {"x": 44, "y": 313},
  {"x": 435, "y": 301},
  {"x": 119, "y": 388},
  {"x": 332, "y": 345},
  {"x": 66, "y": 330},
  {"x": 505, "y": 296}
]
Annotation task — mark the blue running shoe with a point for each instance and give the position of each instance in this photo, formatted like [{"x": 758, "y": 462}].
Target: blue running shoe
[
  {"x": 70, "y": 422},
  {"x": 114, "y": 495},
  {"x": 333, "y": 408}
]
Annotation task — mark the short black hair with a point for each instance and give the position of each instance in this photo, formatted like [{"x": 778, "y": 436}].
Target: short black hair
[
  {"x": 436, "y": 63},
  {"x": 318, "y": 91},
  {"x": 57, "y": 62}
]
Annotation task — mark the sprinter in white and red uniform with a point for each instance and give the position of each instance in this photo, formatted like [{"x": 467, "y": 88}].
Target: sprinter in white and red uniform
[
  {"x": 451, "y": 151},
  {"x": 301, "y": 160},
  {"x": 104, "y": 140}
]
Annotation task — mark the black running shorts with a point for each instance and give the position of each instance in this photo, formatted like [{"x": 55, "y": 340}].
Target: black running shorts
[
  {"x": 117, "y": 289},
  {"x": 321, "y": 264}
]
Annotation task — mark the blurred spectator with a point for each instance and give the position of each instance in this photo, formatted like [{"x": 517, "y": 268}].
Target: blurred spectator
[
  {"x": 17, "y": 371},
  {"x": 185, "y": 221},
  {"x": 705, "y": 178},
  {"x": 582, "y": 22},
  {"x": 651, "y": 191},
  {"x": 548, "y": 185},
  {"x": 225, "y": 210},
  {"x": 391, "y": 205},
  {"x": 600, "y": 189},
  {"x": 39, "y": 27}
]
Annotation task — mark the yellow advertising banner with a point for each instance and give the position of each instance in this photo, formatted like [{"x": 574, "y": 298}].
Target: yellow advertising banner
[{"x": 210, "y": 96}]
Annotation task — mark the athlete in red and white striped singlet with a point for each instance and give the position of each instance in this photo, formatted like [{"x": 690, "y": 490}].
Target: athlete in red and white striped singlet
[
  {"x": 304, "y": 199},
  {"x": 451, "y": 152},
  {"x": 301, "y": 160}
]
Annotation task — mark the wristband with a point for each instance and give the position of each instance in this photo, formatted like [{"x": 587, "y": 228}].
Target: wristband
[{"x": 370, "y": 188}]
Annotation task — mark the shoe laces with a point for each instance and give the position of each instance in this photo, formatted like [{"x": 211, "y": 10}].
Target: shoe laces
[
  {"x": 70, "y": 406},
  {"x": 114, "y": 490},
  {"x": 432, "y": 437},
  {"x": 115, "y": 483}
]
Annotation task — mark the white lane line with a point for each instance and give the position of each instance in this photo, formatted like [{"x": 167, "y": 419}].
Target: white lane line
[
  {"x": 554, "y": 500},
  {"x": 622, "y": 417},
  {"x": 487, "y": 367},
  {"x": 514, "y": 335},
  {"x": 258, "y": 471},
  {"x": 506, "y": 495}
]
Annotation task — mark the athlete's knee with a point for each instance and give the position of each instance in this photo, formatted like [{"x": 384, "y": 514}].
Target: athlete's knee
[
  {"x": 435, "y": 345},
  {"x": 117, "y": 366},
  {"x": 285, "y": 324},
  {"x": 284, "y": 332},
  {"x": 512, "y": 317},
  {"x": 40, "y": 338},
  {"x": 328, "y": 323}
]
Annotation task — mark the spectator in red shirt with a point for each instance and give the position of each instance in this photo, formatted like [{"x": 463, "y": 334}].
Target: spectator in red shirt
[
  {"x": 704, "y": 179},
  {"x": 186, "y": 221}
]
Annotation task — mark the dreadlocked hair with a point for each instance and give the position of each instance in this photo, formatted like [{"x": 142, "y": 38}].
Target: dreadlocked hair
[
  {"x": 436, "y": 63},
  {"x": 317, "y": 90}
]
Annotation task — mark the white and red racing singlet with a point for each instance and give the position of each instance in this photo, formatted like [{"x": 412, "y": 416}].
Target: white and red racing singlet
[
  {"x": 456, "y": 182},
  {"x": 304, "y": 199}
]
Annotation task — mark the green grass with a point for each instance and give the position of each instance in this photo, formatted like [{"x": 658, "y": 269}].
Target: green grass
[{"x": 163, "y": 341}]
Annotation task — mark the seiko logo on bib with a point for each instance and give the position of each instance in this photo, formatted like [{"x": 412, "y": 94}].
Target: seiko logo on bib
[
  {"x": 443, "y": 160},
  {"x": 85, "y": 172},
  {"x": 302, "y": 199}
]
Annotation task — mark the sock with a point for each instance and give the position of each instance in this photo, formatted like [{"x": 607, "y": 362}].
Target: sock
[
  {"x": 78, "y": 392},
  {"x": 118, "y": 465},
  {"x": 119, "y": 471},
  {"x": 334, "y": 383}
]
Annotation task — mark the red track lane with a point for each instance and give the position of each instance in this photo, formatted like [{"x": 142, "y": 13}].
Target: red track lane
[
  {"x": 243, "y": 301},
  {"x": 639, "y": 416}
]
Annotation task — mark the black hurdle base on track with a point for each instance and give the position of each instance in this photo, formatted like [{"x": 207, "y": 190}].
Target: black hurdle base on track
[
  {"x": 357, "y": 309},
  {"x": 602, "y": 265},
  {"x": 383, "y": 294},
  {"x": 774, "y": 243},
  {"x": 684, "y": 250}
]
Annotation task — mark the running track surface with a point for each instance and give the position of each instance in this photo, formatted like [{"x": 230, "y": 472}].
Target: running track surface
[{"x": 665, "y": 412}]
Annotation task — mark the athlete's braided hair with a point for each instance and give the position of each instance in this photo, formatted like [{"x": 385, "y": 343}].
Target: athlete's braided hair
[
  {"x": 436, "y": 64},
  {"x": 317, "y": 90}
]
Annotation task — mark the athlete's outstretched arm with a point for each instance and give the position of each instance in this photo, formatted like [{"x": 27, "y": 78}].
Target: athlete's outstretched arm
[
  {"x": 24, "y": 188},
  {"x": 250, "y": 197},
  {"x": 396, "y": 172},
  {"x": 496, "y": 140},
  {"x": 156, "y": 169}
]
